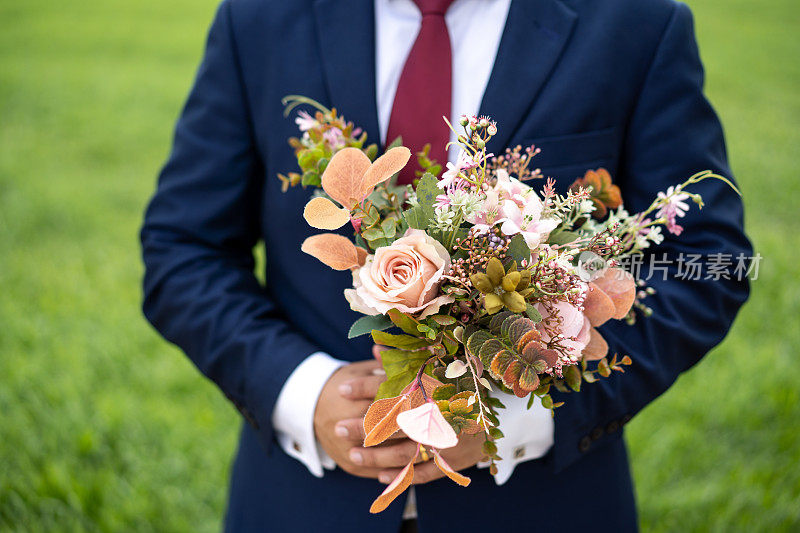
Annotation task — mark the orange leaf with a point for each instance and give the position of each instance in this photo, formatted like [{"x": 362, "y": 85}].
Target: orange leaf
[
  {"x": 343, "y": 176},
  {"x": 428, "y": 383},
  {"x": 384, "y": 168},
  {"x": 321, "y": 213},
  {"x": 598, "y": 306},
  {"x": 620, "y": 286},
  {"x": 380, "y": 422},
  {"x": 334, "y": 250},
  {"x": 395, "y": 488},
  {"x": 448, "y": 471},
  {"x": 362, "y": 255},
  {"x": 597, "y": 348}
]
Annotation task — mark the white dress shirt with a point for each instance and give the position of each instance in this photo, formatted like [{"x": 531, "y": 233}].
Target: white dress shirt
[{"x": 475, "y": 28}]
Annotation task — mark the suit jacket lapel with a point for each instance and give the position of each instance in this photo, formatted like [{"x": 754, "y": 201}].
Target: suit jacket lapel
[
  {"x": 535, "y": 34},
  {"x": 346, "y": 32}
]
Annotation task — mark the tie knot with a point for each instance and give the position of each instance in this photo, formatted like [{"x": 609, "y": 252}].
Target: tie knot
[{"x": 433, "y": 7}]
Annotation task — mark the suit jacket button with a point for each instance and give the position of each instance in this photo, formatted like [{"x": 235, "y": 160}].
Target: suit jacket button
[
  {"x": 612, "y": 426},
  {"x": 596, "y": 433},
  {"x": 519, "y": 452},
  {"x": 296, "y": 447},
  {"x": 585, "y": 444}
]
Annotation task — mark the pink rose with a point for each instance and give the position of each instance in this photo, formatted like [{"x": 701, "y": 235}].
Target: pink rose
[
  {"x": 403, "y": 276},
  {"x": 574, "y": 327}
]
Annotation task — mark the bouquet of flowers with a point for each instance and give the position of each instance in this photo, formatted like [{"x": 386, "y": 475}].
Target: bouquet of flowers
[{"x": 486, "y": 282}]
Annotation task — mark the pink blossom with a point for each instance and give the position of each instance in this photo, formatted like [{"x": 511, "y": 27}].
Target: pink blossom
[
  {"x": 305, "y": 121},
  {"x": 450, "y": 177},
  {"x": 442, "y": 201},
  {"x": 527, "y": 221},
  {"x": 511, "y": 188},
  {"x": 489, "y": 213},
  {"x": 334, "y": 137},
  {"x": 674, "y": 206},
  {"x": 572, "y": 325}
]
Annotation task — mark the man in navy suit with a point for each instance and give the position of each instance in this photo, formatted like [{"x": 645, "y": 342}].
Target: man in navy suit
[{"x": 593, "y": 83}]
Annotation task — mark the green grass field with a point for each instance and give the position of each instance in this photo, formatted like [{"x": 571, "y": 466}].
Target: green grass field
[{"x": 104, "y": 427}]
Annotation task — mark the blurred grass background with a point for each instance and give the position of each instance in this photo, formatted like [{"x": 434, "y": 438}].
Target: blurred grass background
[{"x": 103, "y": 427}]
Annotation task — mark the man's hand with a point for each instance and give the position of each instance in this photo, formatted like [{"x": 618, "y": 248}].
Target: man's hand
[
  {"x": 468, "y": 452},
  {"x": 339, "y": 415}
]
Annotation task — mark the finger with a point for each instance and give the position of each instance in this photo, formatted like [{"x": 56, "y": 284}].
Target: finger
[
  {"x": 426, "y": 472},
  {"x": 365, "y": 367},
  {"x": 361, "y": 388},
  {"x": 391, "y": 456},
  {"x": 423, "y": 473},
  {"x": 353, "y": 429},
  {"x": 376, "y": 351}
]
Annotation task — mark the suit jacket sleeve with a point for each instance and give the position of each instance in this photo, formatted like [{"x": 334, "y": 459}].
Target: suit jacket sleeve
[
  {"x": 673, "y": 132},
  {"x": 198, "y": 234}
]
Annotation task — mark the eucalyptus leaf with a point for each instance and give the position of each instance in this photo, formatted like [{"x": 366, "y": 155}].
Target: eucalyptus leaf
[
  {"x": 389, "y": 227},
  {"x": 366, "y": 324},
  {"x": 562, "y": 237},
  {"x": 372, "y": 234}
]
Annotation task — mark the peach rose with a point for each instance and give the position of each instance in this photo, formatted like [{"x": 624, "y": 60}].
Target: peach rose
[{"x": 403, "y": 276}]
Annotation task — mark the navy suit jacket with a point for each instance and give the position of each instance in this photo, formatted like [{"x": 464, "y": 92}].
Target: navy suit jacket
[{"x": 593, "y": 83}]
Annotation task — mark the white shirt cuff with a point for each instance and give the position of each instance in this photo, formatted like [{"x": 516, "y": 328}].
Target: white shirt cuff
[
  {"x": 293, "y": 415},
  {"x": 528, "y": 433}
]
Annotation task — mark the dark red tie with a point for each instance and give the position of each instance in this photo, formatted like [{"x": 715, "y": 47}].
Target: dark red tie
[{"x": 424, "y": 91}]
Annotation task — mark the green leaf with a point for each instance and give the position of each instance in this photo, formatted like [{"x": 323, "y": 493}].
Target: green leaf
[
  {"x": 559, "y": 385},
  {"x": 405, "y": 342},
  {"x": 378, "y": 243},
  {"x": 476, "y": 340},
  {"x": 401, "y": 366},
  {"x": 445, "y": 392},
  {"x": 573, "y": 377},
  {"x": 389, "y": 227},
  {"x": 518, "y": 249},
  {"x": 489, "y": 448},
  {"x": 427, "y": 191},
  {"x": 450, "y": 344},
  {"x": 416, "y": 218},
  {"x": 494, "y": 402},
  {"x": 403, "y": 321},
  {"x": 547, "y": 401},
  {"x": 495, "y": 433},
  {"x": 371, "y": 151},
  {"x": 533, "y": 314},
  {"x": 368, "y": 323},
  {"x": 443, "y": 320},
  {"x": 398, "y": 141},
  {"x": 311, "y": 179},
  {"x": 393, "y": 385},
  {"x": 308, "y": 158},
  {"x": 562, "y": 237},
  {"x": 371, "y": 217},
  {"x": 429, "y": 332},
  {"x": 372, "y": 234}
]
